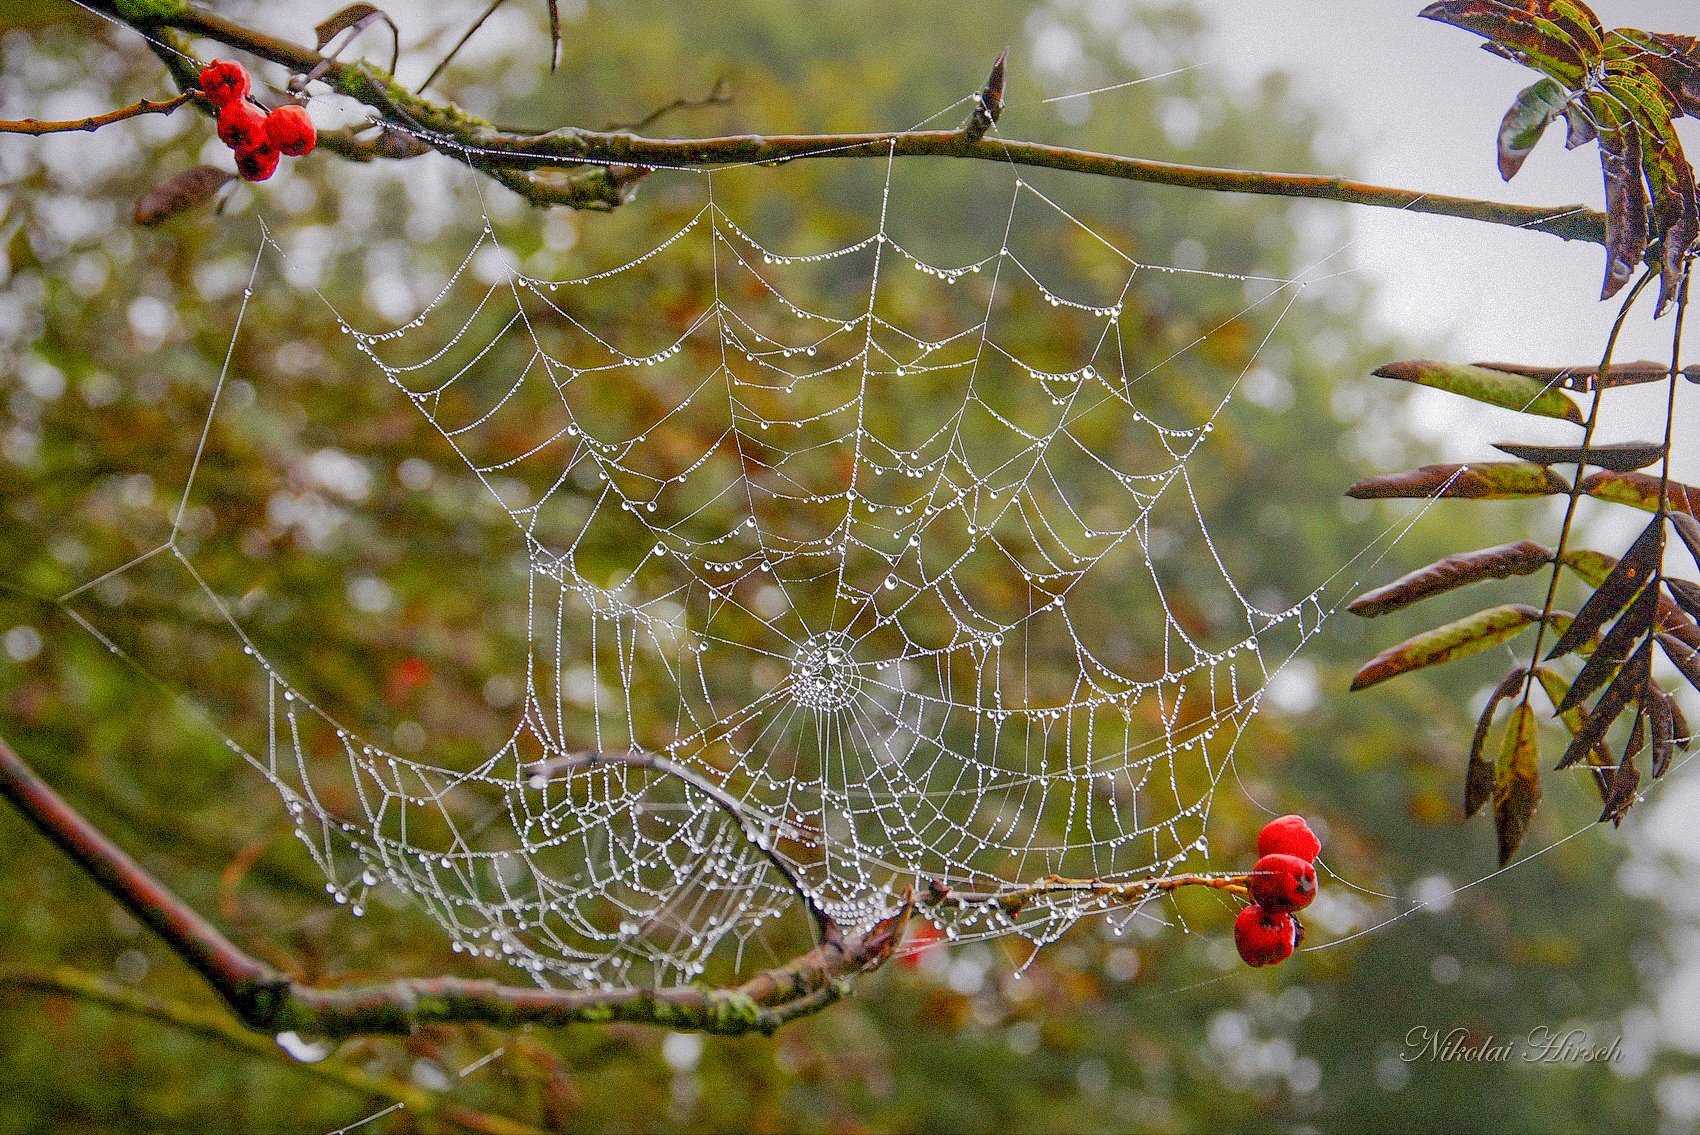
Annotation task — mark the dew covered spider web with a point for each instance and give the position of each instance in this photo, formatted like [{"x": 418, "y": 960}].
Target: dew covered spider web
[{"x": 895, "y": 545}]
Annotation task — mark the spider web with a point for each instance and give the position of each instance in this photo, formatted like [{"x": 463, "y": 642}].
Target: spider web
[{"x": 833, "y": 533}]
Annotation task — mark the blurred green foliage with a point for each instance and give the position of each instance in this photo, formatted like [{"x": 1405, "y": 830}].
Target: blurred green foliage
[{"x": 110, "y": 337}]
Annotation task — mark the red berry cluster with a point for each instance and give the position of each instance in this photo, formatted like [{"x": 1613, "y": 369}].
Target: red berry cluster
[
  {"x": 1282, "y": 881},
  {"x": 259, "y": 137}
]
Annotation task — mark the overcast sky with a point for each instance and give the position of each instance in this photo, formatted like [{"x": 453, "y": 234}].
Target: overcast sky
[{"x": 1418, "y": 105}]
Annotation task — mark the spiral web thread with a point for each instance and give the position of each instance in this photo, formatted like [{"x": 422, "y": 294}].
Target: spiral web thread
[{"x": 854, "y": 613}]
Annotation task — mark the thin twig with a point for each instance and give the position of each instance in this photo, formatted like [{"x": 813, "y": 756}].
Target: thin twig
[
  {"x": 460, "y": 43},
  {"x": 717, "y": 96},
  {"x": 93, "y": 122},
  {"x": 1576, "y": 491}
]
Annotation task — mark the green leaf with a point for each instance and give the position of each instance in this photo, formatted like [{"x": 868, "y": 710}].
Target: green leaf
[
  {"x": 1500, "y": 562},
  {"x": 1527, "y": 119},
  {"x": 1521, "y": 392},
  {"x": 1516, "y": 781},
  {"x": 1641, "y": 490},
  {"x": 1479, "y": 480},
  {"x": 1458, "y": 639}
]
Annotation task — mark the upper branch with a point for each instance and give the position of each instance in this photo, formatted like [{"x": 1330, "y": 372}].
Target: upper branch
[{"x": 520, "y": 160}]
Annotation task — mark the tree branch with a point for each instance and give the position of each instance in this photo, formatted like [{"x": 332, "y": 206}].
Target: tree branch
[
  {"x": 1013, "y": 899},
  {"x": 93, "y": 122},
  {"x": 518, "y": 159},
  {"x": 64, "y": 981},
  {"x": 268, "y": 1001}
]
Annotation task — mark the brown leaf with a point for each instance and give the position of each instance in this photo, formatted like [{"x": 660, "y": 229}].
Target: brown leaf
[
  {"x": 1575, "y": 720},
  {"x": 1623, "y": 785},
  {"x": 1663, "y": 729},
  {"x": 1684, "y": 656},
  {"x": 1623, "y": 584},
  {"x": 1516, "y": 782},
  {"x": 1632, "y": 678},
  {"x": 1626, "y": 196},
  {"x": 358, "y": 17},
  {"x": 1481, "y": 480},
  {"x": 554, "y": 34},
  {"x": 1689, "y": 529},
  {"x": 1622, "y": 457},
  {"x": 1686, "y": 593},
  {"x": 1614, "y": 648},
  {"x": 180, "y": 192},
  {"x": 1458, "y": 639},
  {"x": 1478, "y": 772},
  {"x": 1500, "y": 562}
]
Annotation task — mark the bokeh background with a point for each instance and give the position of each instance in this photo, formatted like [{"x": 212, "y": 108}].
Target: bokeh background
[{"x": 110, "y": 337}]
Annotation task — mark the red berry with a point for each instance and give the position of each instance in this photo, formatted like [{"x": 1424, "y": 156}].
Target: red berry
[
  {"x": 256, "y": 163},
  {"x": 1282, "y": 882},
  {"x": 241, "y": 125},
  {"x": 1265, "y": 937},
  {"x": 224, "y": 81},
  {"x": 290, "y": 131},
  {"x": 1289, "y": 835}
]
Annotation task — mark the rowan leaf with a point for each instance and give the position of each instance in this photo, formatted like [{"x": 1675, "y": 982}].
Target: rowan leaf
[
  {"x": 1632, "y": 678},
  {"x": 1662, "y": 726},
  {"x": 1641, "y": 490},
  {"x": 1614, "y": 648},
  {"x": 1458, "y": 639},
  {"x": 1586, "y": 377},
  {"x": 1623, "y": 784},
  {"x": 1621, "y": 457},
  {"x": 1575, "y": 720},
  {"x": 1516, "y": 781},
  {"x": 1684, "y": 656},
  {"x": 1478, "y": 772},
  {"x": 1688, "y": 529},
  {"x": 1528, "y": 117},
  {"x": 1626, "y": 196},
  {"x": 1626, "y": 580},
  {"x": 354, "y": 19},
  {"x": 179, "y": 193},
  {"x": 1686, "y": 593},
  {"x": 1521, "y": 392},
  {"x": 1478, "y": 480},
  {"x": 1524, "y": 31},
  {"x": 1499, "y": 562}
]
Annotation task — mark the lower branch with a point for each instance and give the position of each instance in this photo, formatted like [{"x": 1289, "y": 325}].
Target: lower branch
[
  {"x": 268, "y": 1001},
  {"x": 1014, "y": 899},
  {"x": 62, "y": 981}
]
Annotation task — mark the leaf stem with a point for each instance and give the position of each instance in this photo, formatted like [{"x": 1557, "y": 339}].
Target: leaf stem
[{"x": 1575, "y": 495}]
